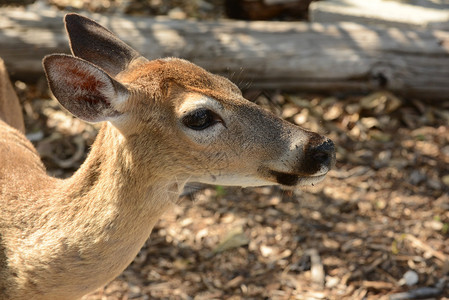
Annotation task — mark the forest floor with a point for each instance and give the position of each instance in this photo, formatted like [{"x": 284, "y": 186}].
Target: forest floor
[{"x": 376, "y": 228}]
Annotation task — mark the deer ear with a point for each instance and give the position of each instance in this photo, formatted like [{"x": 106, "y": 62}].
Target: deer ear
[
  {"x": 83, "y": 89},
  {"x": 92, "y": 42}
]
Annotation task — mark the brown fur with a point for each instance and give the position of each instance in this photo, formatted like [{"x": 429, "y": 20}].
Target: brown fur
[
  {"x": 61, "y": 239},
  {"x": 10, "y": 110}
]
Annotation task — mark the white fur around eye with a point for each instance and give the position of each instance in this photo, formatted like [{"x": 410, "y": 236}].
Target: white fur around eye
[
  {"x": 205, "y": 136},
  {"x": 194, "y": 102}
]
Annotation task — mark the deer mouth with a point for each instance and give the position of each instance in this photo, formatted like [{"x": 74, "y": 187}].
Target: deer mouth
[{"x": 292, "y": 180}]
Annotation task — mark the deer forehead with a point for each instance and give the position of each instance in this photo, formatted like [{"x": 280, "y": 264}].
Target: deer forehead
[{"x": 158, "y": 74}]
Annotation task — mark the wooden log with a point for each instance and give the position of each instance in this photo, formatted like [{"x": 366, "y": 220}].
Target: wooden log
[
  {"x": 397, "y": 13},
  {"x": 342, "y": 57}
]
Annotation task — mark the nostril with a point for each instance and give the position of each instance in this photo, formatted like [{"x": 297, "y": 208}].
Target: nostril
[
  {"x": 318, "y": 156},
  {"x": 323, "y": 153},
  {"x": 321, "y": 157}
]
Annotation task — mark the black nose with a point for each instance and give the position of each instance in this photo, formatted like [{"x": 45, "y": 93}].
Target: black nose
[
  {"x": 323, "y": 154},
  {"x": 319, "y": 155}
]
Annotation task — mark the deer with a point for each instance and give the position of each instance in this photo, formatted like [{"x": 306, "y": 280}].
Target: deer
[{"x": 165, "y": 123}]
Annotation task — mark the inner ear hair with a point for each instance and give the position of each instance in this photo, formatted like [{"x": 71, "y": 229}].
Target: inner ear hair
[{"x": 83, "y": 89}]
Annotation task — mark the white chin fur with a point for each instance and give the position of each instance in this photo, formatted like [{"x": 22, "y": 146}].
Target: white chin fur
[
  {"x": 248, "y": 181},
  {"x": 235, "y": 180},
  {"x": 310, "y": 180}
]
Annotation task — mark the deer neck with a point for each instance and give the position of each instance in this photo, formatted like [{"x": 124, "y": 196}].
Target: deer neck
[
  {"x": 110, "y": 177},
  {"x": 124, "y": 200},
  {"x": 106, "y": 214}
]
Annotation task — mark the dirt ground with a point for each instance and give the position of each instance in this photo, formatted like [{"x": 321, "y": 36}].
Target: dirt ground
[{"x": 376, "y": 228}]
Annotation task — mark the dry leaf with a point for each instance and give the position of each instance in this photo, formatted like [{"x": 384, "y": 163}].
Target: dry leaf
[{"x": 234, "y": 239}]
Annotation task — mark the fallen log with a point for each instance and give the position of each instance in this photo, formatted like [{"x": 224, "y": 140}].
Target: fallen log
[
  {"x": 393, "y": 13},
  {"x": 341, "y": 57}
]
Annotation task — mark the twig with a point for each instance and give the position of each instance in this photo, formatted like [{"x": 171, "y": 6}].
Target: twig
[
  {"x": 420, "y": 244},
  {"x": 317, "y": 269},
  {"x": 378, "y": 285},
  {"x": 419, "y": 293}
]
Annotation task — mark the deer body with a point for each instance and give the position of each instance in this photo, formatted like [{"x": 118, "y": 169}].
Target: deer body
[{"x": 166, "y": 122}]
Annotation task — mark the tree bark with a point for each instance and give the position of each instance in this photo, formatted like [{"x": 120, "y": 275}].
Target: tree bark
[{"x": 340, "y": 57}]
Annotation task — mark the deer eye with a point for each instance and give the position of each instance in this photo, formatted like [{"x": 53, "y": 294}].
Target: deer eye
[{"x": 200, "y": 119}]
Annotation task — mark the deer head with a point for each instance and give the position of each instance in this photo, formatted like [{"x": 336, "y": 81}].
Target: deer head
[{"x": 178, "y": 120}]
